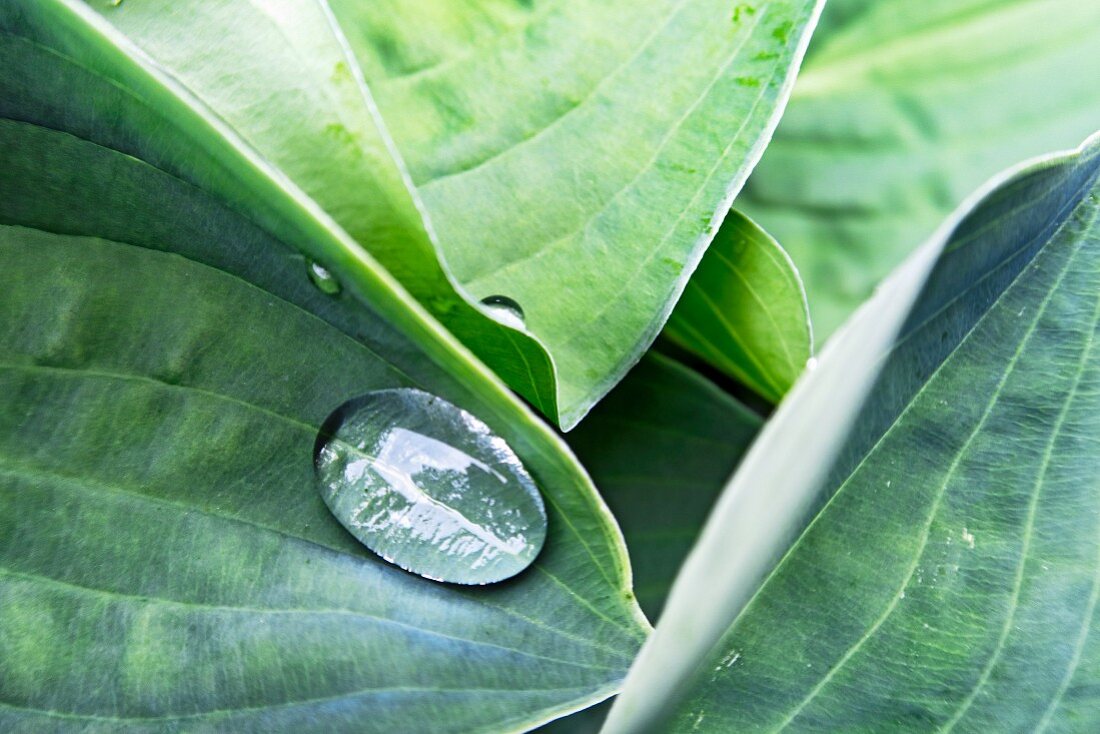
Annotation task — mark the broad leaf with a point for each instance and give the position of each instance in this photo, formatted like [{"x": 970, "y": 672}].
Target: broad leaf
[
  {"x": 530, "y": 136},
  {"x": 166, "y": 362},
  {"x": 660, "y": 448},
  {"x": 903, "y": 108},
  {"x": 280, "y": 76},
  {"x": 951, "y": 577},
  {"x": 744, "y": 310}
]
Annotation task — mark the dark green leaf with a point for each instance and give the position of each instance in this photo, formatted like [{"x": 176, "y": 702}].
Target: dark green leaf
[
  {"x": 660, "y": 448},
  {"x": 166, "y": 360},
  {"x": 950, "y": 579}
]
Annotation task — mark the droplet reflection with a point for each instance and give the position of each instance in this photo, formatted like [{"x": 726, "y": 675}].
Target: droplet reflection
[
  {"x": 325, "y": 281},
  {"x": 428, "y": 487},
  {"x": 505, "y": 310}
]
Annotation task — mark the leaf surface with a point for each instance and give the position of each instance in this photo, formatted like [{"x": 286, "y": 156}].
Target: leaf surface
[
  {"x": 744, "y": 310},
  {"x": 530, "y": 137},
  {"x": 279, "y": 76},
  {"x": 900, "y": 111},
  {"x": 660, "y": 448},
  {"x": 166, "y": 361},
  {"x": 950, "y": 578}
]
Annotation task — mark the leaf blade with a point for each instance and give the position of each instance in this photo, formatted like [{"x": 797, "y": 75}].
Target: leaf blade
[
  {"x": 887, "y": 134},
  {"x": 744, "y": 310},
  {"x": 937, "y": 391},
  {"x": 148, "y": 310}
]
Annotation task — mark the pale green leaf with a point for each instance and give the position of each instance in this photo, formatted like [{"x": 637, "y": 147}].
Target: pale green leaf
[
  {"x": 744, "y": 310},
  {"x": 950, "y": 579},
  {"x": 902, "y": 108},
  {"x": 533, "y": 136},
  {"x": 279, "y": 75}
]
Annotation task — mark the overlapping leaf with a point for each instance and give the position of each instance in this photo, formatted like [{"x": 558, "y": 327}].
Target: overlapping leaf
[
  {"x": 901, "y": 110},
  {"x": 530, "y": 136},
  {"x": 950, "y": 580},
  {"x": 166, "y": 563}
]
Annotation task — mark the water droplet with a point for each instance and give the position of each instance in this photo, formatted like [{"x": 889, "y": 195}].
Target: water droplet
[
  {"x": 505, "y": 310},
  {"x": 427, "y": 486},
  {"x": 325, "y": 281},
  {"x": 811, "y": 364},
  {"x": 969, "y": 538}
]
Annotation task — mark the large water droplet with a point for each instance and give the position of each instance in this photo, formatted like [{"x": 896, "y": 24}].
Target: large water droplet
[
  {"x": 325, "y": 281},
  {"x": 505, "y": 310},
  {"x": 427, "y": 486}
]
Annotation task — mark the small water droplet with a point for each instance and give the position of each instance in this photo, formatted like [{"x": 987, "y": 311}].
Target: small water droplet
[
  {"x": 968, "y": 537},
  {"x": 428, "y": 487},
  {"x": 505, "y": 310},
  {"x": 325, "y": 281},
  {"x": 811, "y": 364}
]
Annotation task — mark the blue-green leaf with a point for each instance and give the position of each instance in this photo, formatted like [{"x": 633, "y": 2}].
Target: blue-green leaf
[{"x": 950, "y": 577}]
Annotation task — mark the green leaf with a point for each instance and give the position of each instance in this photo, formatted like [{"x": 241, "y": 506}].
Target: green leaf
[
  {"x": 951, "y": 576},
  {"x": 744, "y": 310},
  {"x": 900, "y": 111},
  {"x": 166, "y": 362},
  {"x": 280, "y": 77},
  {"x": 530, "y": 137},
  {"x": 660, "y": 448},
  {"x": 660, "y": 410}
]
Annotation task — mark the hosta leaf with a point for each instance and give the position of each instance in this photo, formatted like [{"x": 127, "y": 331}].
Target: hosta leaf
[
  {"x": 950, "y": 579},
  {"x": 902, "y": 109},
  {"x": 660, "y": 410},
  {"x": 278, "y": 73},
  {"x": 744, "y": 310},
  {"x": 660, "y": 448},
  {"x": 166, "y": 361},
  {"x": 532, "y": 135}
]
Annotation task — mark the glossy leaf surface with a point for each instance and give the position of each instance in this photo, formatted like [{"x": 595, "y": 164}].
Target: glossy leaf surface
[
  {"x": 950, "y": 579},
  {"x": 167, "y": 360},
  {"x": 901, "y": 110}
]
